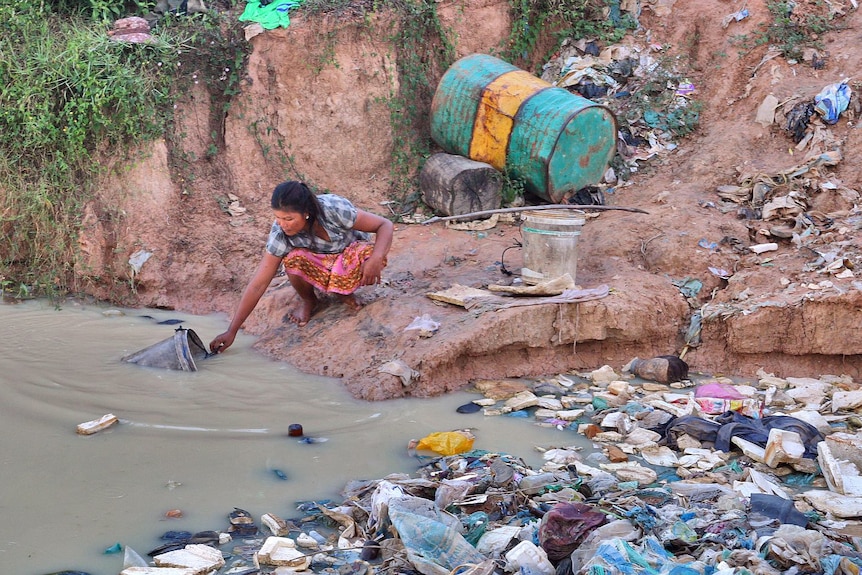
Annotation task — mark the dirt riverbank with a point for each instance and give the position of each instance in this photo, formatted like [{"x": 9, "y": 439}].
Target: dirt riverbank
[{"x": 792, "y": 311}]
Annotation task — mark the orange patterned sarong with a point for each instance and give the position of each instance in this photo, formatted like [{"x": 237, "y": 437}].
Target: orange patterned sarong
[{"x": 333, "y": 273}]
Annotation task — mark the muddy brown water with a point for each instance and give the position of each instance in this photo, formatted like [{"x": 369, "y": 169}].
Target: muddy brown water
[{"x": 202, "y": 442}]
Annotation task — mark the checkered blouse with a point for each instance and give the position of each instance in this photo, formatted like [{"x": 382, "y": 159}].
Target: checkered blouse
[{"x": 338, "y": 217}]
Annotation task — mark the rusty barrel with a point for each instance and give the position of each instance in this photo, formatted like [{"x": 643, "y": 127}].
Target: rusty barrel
[{"x": 554, "y": 141}]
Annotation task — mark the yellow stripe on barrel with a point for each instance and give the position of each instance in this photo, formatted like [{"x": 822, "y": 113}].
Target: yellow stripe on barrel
[{"x": 501, "y": 100}]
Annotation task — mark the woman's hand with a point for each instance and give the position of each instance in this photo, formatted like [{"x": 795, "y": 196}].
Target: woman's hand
[
  {"x": 382, "y": 228},
  {"x": 371, "y": 270},
  {"x": 250, "y": 296},
  {"x": 222, "y": 342}
]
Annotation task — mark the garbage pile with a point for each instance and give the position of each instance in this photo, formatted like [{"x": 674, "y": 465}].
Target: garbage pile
[
  {"x": 685, "y": 477},
  {"x": 804, "y": 205},
  {"x": 652, "y": 101}
]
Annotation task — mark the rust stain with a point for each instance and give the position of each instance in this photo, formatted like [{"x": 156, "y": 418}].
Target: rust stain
[{"x": 597, "y": 147}]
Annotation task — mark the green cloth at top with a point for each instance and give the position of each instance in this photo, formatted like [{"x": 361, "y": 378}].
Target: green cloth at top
[{"x": 273, "y": 15}]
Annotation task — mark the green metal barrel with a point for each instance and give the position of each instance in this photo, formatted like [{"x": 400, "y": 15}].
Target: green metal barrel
[{"x": 490, "y": 111}]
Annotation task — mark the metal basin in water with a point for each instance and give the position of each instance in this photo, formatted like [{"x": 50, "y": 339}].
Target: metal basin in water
[{"x": 179, "y": 352}]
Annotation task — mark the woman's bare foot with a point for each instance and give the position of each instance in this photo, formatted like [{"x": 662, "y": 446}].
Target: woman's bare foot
[
  {"x": 302, "y": 312},
  {"x": 351, "y": 302}
]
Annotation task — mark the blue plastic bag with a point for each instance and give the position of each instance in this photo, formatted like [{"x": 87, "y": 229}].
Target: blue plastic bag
[{"x": 832, "y": 101}]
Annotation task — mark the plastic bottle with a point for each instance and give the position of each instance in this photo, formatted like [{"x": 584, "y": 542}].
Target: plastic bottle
[{"x": 529, "y": 559}]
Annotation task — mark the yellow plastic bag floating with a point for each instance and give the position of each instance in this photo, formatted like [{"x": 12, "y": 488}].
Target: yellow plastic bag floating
[{"x": 447, "y": 442}]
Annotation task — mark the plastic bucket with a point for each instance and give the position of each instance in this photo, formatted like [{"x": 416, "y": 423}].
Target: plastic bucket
[
  {"x": 550, "y": 244},
  {"x": 178, "y": 352},
  {"x": 555, "y": 141}
]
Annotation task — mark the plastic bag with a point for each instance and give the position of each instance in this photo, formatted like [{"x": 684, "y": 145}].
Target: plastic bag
[
  {"x": 618, "y": 557},
  {"x": 564, "y": 527},
  {"x": 528, "y": 559},
  {"x": 425, "y": 325},
  {"x": 446, "y": 442},
  {"x": 718, "y": 391},
  {"x": 476, "y": 524},
  {"x": 434, "y": 545},
  {"x": 832, "y": 101}
]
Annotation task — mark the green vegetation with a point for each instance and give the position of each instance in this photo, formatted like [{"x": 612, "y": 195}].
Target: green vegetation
[
  {"x": 655, "y": 101},
  {"x": 794, "y": 27},
  {"x": 513, "y": 189},
  {"x": 792, "y": 31},
  {"x": 70, "y": 95},
  {"x": 573, "y": 19},
  {"x": 423, "y": 47},
  {"x": 100, "y": 10}
]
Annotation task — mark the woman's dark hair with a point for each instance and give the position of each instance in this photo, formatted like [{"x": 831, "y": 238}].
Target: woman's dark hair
[{"x": 295, "y": 196}]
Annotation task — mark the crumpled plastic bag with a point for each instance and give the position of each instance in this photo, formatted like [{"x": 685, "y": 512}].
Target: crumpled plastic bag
[
  {"x": 431, "y": 537},
  {"x": 839, "y": 565},
  {"x": 618, "y": 557},
  {"x": 718, "y": 390},
  {"x": 564, "y": 527},
  {"x": 383, "y": 494},
  {"x": 619, "y": 529},
  {"x": 446, "y": 442},
  {"x": 425, "y": 325},
  {"x": 138, "y": 259},
  {"x": 832, "y": 101},
  {"x": 793, "y": 546},
  {"x": 400, "y": 369}
]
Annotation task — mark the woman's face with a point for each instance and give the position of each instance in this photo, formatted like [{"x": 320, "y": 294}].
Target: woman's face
[{"x": 291, "y": 222}]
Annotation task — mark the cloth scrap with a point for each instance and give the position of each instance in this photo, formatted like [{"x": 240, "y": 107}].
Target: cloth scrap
[
  {"x": 563, "y": 528},
  {"x": 731, "y": 424},
  {"x": 458, "y": 294},
  {"x": 488, "y": 303},
  {"x": 400, "y": 369},
  {"x": 554, "y": 286},
  {"x": 269, "y": 15}
]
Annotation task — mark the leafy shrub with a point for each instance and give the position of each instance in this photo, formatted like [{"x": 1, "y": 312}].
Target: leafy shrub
[
  {"x": 69, "y": 94},
  {"x": 573, "y": 19}
]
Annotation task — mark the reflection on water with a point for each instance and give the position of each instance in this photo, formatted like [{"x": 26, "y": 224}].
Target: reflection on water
[{"x": 202, "y": 442}]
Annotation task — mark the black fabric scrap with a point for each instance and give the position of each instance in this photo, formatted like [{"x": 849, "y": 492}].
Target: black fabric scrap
[
  {"x": 798, "y": 118},
  {"x": 697, "y": 427},
  {"x": 732, "y": 424},
  {"x": 776, "y": 507}
]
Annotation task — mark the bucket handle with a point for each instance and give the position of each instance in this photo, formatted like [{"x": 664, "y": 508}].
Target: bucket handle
[
  {"x": 503, "y": 267},
  {"x": 206, "y": 351}
]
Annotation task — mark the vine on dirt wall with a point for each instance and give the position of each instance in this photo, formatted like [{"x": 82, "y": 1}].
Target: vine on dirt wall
[
  {"x": 211, "y": 51},
  {"x": 599, "y": 20},
  {"x": 69, "y": 97},
  {"x": 424, "y": 49}
]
